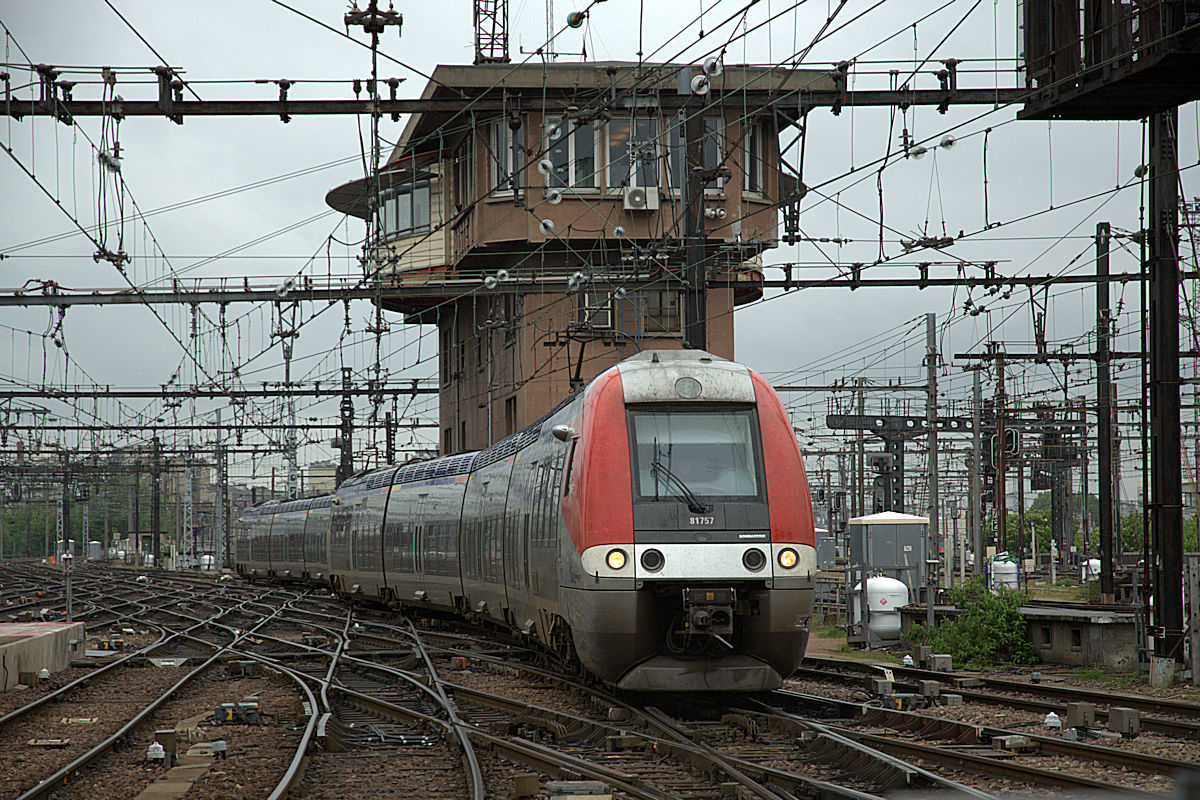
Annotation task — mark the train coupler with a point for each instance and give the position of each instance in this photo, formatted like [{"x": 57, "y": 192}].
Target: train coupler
[{"x": 709, "y": 610}]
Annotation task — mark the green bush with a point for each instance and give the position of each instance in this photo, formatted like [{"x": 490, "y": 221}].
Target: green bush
[{"x": 989, "y": 628}]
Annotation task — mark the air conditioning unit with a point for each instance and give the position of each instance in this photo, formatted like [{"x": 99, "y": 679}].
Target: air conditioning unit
[{"x": 640, "y": 198}]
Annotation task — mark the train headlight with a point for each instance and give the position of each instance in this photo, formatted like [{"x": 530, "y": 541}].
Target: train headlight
[
  {"x": 788, "y": 558},
  {"x": 616, "y": 559}
]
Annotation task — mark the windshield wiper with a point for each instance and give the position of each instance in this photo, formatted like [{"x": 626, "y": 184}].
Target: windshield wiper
[{"x": 689, "y": 497}]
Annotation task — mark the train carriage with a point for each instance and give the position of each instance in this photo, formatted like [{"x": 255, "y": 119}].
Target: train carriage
[{"x": 656, "y": 526}]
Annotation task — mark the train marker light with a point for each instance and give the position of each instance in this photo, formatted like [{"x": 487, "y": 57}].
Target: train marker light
[
  {"x": 788, "y": 558},
  {"x": 753, "y": 559},
  {"x": 652, "y": 560},
  {"x": 616, "y": 559}
]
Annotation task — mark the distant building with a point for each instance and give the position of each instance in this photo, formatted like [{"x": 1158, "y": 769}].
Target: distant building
[{"x": 320, "y": 478}]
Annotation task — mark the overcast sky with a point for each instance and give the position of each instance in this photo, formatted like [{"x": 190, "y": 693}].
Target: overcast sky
[{"x": 284, "y": 228}]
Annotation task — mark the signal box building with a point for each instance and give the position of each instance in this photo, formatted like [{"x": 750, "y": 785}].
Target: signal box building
[{"x": 534, "y": 214}]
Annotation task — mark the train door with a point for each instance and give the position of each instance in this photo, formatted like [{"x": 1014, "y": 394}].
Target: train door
[
  {"x": 301, "y": 563},
  {"x": 421, "y": 523},
  {"x": 268, "y": 543},
  {"x": 516, "y": 540}
]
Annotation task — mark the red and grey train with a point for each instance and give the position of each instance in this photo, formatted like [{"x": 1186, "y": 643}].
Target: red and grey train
[{"x": 656, "y": 526}]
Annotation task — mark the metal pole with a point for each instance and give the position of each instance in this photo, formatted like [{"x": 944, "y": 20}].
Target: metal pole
[
  {"x": 695, "y": 305},
  {"x": 64, "y": 512},
  {"x": 346, "y": 457},
  {"x": 225, "y": 509},
  {"x": 1085, "y": 522},
  {"x": 1166, "y": 490},
  {"x": 931, "y": 555},
  {"x": 1020, "y": 512},
  {"x": 1104, "y": 415},
  {"x": 389, "y": 444},
  {"x": 860, "y": 471},
  {"x": 976, "y": 471},
  {"x": 155, "y": 501},
  {"x": 1001, "y": 466}
]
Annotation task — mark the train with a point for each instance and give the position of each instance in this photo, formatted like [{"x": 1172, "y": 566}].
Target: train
[{"x": 655, "y": 528}]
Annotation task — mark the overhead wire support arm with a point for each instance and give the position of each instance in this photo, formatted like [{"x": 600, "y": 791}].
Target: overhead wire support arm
[
  {"x": 171, "y": 296},
  {"x": 177, "y": 109}
]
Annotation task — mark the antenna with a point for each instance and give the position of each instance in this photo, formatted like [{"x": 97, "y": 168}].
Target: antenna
[{"x": 491, "y": 31}]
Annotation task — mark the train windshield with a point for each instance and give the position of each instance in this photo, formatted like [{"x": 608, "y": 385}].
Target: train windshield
[{"x": 705, "y": 453}]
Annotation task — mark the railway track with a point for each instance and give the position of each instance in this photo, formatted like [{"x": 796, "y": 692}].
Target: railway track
[{"x": 359, "y": 698}]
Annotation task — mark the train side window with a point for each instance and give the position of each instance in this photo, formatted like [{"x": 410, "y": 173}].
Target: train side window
[{"x": 570, "y": 466}]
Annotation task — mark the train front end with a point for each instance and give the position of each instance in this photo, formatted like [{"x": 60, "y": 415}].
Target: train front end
[{"x": 691, "y": 525}]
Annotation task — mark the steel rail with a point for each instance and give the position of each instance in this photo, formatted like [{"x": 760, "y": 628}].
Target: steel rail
[
  {"x": 754, "y": 776},
  {"x": 1066, "y": 692},
  {"x": 985, "y": 764},
  {"x": 841, "y": 738},
  {"x": 667, "y": 734},
  {"x": 294, "y": 771},
  {"x": 1170, "y": 727},
  {"x": 59, "y": 778},
  {"x": 930, "y": 727},
  {"x": 470, "y": 759}
]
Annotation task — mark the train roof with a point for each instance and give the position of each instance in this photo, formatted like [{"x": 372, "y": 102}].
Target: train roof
[
  {"x": 522, "y": 438},
  {"x": 435, "y": 468},
  {"x": 287, "y": 506}
]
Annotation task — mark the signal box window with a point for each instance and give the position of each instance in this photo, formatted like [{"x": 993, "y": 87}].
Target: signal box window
[
  {"x": 571, "y": 149},
  {"x": 503, "y": 174},
  {"x": 404, "y": 210},
  {"x": 510, "y": 416},
  {"x": 595, "y": 309},
  {"x": 677, "y": 151},
  {"x": 662, "y": 312},
  {"x": 633, "y": 152},
  {"x": 754, "y": 158}
]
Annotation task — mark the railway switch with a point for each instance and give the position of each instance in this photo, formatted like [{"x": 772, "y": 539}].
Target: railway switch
[
  {"x": 952, "y": 700},
  {"x": 901, "y": 701},
  {"x": 929, "y": 688},
  {"x": 1014, "y": 743},
  {"x": 249, "y": 713},
  {"x": 527, "y": 784},
  {"x": 615, "y": 744},
  {"x": 244, "y": 713},
  {"x": 579, "y": 790},
  {"x": 616, "y": 714},
  {"x": 166, "y": 739},
  {"x": 244, "y": 669},
  {"x": 879, "y": 686},
  {"x": 1080, "y": 715},
  {"x": 1125, "y": 721}
]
